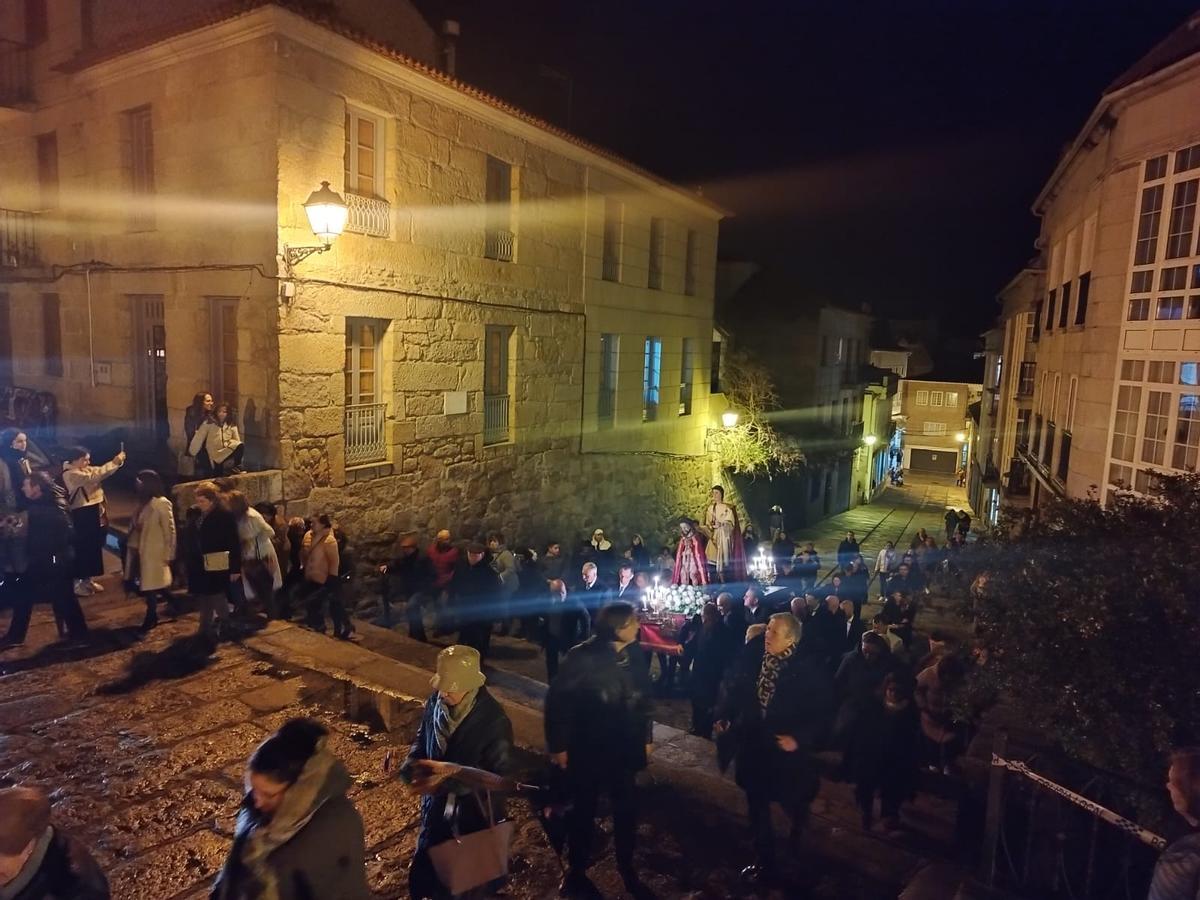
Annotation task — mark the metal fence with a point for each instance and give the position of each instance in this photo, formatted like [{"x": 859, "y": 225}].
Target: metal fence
[
  {"x": 18, "y": 239},
  {"x": 498, "y": 244},
  {"x": 1046, "y": 839},
  {"x": 366, "y": 433},
  {"x": 368, "y": 215},
  {"x": 495, "y": 419}
]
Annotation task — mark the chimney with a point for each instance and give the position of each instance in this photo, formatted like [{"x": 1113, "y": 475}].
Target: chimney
[{"x": 450, "y": 33}]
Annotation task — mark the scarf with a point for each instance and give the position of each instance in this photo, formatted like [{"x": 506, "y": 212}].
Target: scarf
[
  {"x": 447, "y": 718},
  {"x": 300, "y": 804},
  {"x": 768, "y": 676}
]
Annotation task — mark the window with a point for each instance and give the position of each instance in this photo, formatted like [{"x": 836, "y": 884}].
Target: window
[
  {"x": 714, "y": 383},
  {"x": 1139, "y": 309},
  {"x": 1026, "y": 381},
  {"x": 1161, "y": 371},
  {"x": 6, "y": 367},
  {"x": 1193, "y": 307},
  {"x": 138, "y": 144},
  {"x": 1187, "y": 433},
  {"x": 1072, "y": 396},
  {"x": 1064, "y": 312},
  {"x": 1028, "y": 319},
  {"x": 1188, "y": 373},
  {"x": 1048, "y": 447},
  {"x": 1186, "y": 159},
  {"x": 47, "y": 166},
  {"x": 687, "y": 375},
  {"x": 1037, "y": 321},
  {"x": 1147, "y": 482},
  {"x": 52, "y": 355},
  {"x": 1142, "y": 282},
  {"x": 651, "y": 378},
  {"x": 365, "y": 424},
  {"x": 364, "y": 154},
  {"x": 1050, "y": 310},
  {"x": 1156, "y": 168},
  {"x": 1169, "y": 308},
  {"x": 1064, "y": 457},
  {"x": 1125, "y": 424},
  {"x": 1023, "y": 428},
  {"x": 1081, "y": 302},
  {"x": 933, "y": 428},
  {"x": 922, "y": 398},
  {"x": 223, "y": 321},
  {"x": 1196, "y": 272},
  {"x": 498, "y": 231},
  {"x": 845, "y": 415},
  {"x": 606, "y": 406},
  {"x": 1120, "y": 476},
  {"x": 496, "y": 418},
  {"x": 611, "y": 261},
  {"x": 1036, "y": 443},
  {"x": 1183, "y": 219},
  {"x": 1173, "y": 279},
  {"x": 690, "y": 263},
  {"x": 935, "y": 398},
  {"x": 1146, "y": 248},
  {"x": 952, "y": 398},
  {"x": 1154, "y": 435},
  {"x": 658, "y": 241},
  {"x": 37, "y": 25},
  {"x": 1133, "y": 370}
]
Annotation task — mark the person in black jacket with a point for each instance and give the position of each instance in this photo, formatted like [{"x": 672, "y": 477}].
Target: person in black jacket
[
  {"x": 847, "y": 550},
  {"x": 37, "y": 859},
  {"x": 409, "y": 576},
  {"x": 715, "y": 648},
  {"x": 598, "y": 728},
  {"x": 733, "y": 617},
  {"x": 566, "y": 623},
  {"x": 774, "y": 712},
  {"x": 475, "y": 595},
  {"x": 462, "y": 726},
  {"x": 884, "y": 751},
  {"x": 220, "y": 560},
  {"x": 48, "y": 553}
]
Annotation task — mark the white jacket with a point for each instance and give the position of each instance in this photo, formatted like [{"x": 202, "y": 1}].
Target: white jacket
[
  {"x": 153, "y": 537},
  {"x": 83, "y": 484},
  {"x": 219, "y": 440}
]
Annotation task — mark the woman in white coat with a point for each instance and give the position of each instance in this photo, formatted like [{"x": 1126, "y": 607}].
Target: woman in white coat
[
  {"x": 151, "y": 546},
  {"x": 261, "y": 575}
]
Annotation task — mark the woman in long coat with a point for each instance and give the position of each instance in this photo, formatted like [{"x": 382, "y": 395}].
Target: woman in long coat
[{"x": 151, "y": 545}]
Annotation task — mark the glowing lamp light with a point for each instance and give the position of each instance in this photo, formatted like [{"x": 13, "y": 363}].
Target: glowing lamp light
[
  {"x": 326, "y": 213},
  {"x": 870, "y": 440},
  {"x": 960, "y": 437},
  {"x": 729, "y": 418}
]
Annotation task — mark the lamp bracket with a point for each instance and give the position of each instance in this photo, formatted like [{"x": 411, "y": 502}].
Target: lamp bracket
[{"x": 294, "y": 255}]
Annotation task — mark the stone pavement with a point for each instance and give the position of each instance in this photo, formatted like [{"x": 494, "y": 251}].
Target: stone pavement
[{"x": 144, "y": 743}]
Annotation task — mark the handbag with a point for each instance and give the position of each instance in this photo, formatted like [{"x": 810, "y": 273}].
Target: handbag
[
  {"x": 217, "y": 561},
  {"x": 470, "y": 860}
]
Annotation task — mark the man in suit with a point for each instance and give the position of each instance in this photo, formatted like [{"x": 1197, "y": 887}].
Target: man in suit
[
  {"x": 756, "y": 609},
  {"x": 593, "y": 593},
  {"x": 626, "y": 590}
]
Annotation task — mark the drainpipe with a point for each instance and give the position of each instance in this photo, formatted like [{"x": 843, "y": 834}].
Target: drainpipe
[{"x": 87, "y": 275}]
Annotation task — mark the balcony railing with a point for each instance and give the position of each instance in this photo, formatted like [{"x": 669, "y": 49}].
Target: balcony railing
[
  {"x": 498, "y": 244},
  {"x": 18, "y": 239},
  {"x": 606, "y": 408},
  {"x": 368, "y": 215},
  {"x": 15, "y": 84},
  {"x": 366, "y": 433},
  {"x": 495, "y": 419}
]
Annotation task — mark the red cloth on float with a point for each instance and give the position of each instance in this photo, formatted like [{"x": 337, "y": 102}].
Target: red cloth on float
[
  {"x": 652, "y": 640},
  {"x": 696, "y": 548}
]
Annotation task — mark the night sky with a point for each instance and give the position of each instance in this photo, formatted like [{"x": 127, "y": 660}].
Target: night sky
[{"x": 880, "y": 152}]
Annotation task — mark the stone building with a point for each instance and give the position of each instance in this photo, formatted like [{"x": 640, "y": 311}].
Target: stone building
[
  {"x": 515, "y": 330},
  {"x": 1114, "y": 398},
  {"x": 934, "y": 427}
]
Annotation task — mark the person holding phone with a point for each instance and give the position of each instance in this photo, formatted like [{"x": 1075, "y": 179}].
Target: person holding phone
[
  {"x": 220, "y": 559},
  {"x": 85, "y": 494}
]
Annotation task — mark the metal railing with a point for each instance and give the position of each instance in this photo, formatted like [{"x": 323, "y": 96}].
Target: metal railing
[
  {"x": 366, "y": 433},
  {"x": 15, "y": 84},
  {"x": 606, "y": 408},
  {"x": 498, "y": 244},
  {"x": 18, "y": 239},
  {"x": 495, "y": 419},
  {"x": 368, "y": 215}
]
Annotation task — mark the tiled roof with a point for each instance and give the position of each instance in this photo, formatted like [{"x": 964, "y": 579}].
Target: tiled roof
[
  {"x": 318, "y": 14},
  {"x": 1181, "y": 43}
]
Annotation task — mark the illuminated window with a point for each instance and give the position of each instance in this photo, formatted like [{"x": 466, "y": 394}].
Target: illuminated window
[
  {"x": 364, "y": 154},
  {"x": 1125, "y": 424},
  {"x": 1139, "y": 309},
  {"x": 1169, "y": 308},
  {"x": 1187, "y": 433},
  {"x": 1154, "y": 434},
  {"x": 651, "y": 378},
  {"x": 1146, "y": 249},
  {"x": 1183, "y": 219}
]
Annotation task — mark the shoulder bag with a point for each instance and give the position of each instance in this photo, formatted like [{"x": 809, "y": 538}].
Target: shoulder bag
[{"x": 468, "y": 861}]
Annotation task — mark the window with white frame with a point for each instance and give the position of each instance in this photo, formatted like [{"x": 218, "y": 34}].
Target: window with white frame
[
  {"x": 364, "y": 153},
  {"x": 365, "y": 410},
  {"x": 1125, "y": 423},
  {"x": 497, "y": 428},
  {"x": 1161, "y": 371},
  {"x": 952, "y": 396},
  {"x": 1187, "y": 433},
  {"x": 1154, "y": 434},
  {"x": 936, "y": 398},
  {"x": 137, "y": 127},
  {"x": 1182, "y": 224},
  {"x": 922, "y": 398},
  {"x": 933, "y": 428}
]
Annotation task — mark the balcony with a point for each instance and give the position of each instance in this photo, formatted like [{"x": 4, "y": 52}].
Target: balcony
[
  {"x": 18, "y": 239},
  {"x": 498, "y": 244},
  {"x": 495, "y": 420},
  {"x": 15, "y": 85},
  {"x": 366, "y": 433},
  {"x": 368, "y": 215}
]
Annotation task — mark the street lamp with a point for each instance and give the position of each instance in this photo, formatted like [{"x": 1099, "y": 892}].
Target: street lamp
[
  {"x": 960, "y": 437},
  {"x": 870, "y": 440},
  {"x": 326, "y": 213},
  {"x": 729, "y": 418}
]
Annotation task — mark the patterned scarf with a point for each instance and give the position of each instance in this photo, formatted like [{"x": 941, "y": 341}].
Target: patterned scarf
[
  {"x": 768, "y": 676},
  {"x": 447, "y": 718}
]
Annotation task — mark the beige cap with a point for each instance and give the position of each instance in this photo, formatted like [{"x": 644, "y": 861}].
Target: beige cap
[
  {"x": 458, "y": 670},
  {"x": 443, "y": 535}
]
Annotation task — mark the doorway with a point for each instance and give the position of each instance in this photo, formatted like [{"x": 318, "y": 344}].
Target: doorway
[{"x": 150, "y": 368}]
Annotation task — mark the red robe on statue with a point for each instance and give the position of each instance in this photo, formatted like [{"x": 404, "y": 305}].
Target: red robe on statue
[{"x": 691, "y": 562}]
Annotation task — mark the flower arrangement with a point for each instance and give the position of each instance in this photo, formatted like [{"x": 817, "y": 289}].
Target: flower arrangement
[{"x": 681, "y": 599}]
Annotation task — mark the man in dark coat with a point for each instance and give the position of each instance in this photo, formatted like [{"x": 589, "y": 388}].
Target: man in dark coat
[
  {"x": 715, "y": 647},
  {"x": 462, "y": 726},
  {"x": 37, "y": 859},
  {"x": 733, "y": 617},
  {"x": 775, "y": 709},
  {"x": 757, "y": 611},
  {"x": 475, "y": 599},
  {"x": 883, "y": 751},
  {"x": 593, "y": 591},
  {"x": 598, "y": 728},
  {"x": 409, "y": 577},
  {"x": 565, "y": 624},
  {"x": 847, "y": 550}
]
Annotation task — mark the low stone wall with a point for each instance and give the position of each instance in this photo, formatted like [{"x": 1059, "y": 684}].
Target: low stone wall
[{"x": 257, "y": 486}]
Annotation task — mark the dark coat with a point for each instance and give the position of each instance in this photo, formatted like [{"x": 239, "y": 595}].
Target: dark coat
[
  {"x": 736, "y": 624},
  {"x": 800, "y": 707},
  {"x": 217, "y": 532},
  {"x": 409, "y": 576},
  {"x": 483, "y": 740},
  {"x": 850, "y": 637},
  {"x": 66, "y": 872},
  {"x": 884, "y": 745},
  {"x": 846, "y": 552},
  {"x": 714, "y": 650},
  {"x": 566, "y": 623},
  {"x": 48, "y": 536},
  {"x": 325, "y": 860},
  {"x": 857, "y": 680},
  {"x": 595, "y": 596},
  {"x": 759, "y": 615},
  {"x": 598, "y": 709},
  {"x": 476, "y": 592}
]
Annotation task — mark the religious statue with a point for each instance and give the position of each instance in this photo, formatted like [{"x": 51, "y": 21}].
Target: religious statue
[
  {"x": 691, "y": 565},
  {"x": 725, "y": 549}
]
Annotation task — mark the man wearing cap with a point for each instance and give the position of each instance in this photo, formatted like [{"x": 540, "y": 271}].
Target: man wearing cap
[
  {"x": 462, "y": 726},
  {"x": 598, "y": 728},
  {"x": 409, "y": 576},
  {"x": 37, "y": 860},
  {"x": 475, "y": 598},
  {"x": 444, "y": 558}
]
